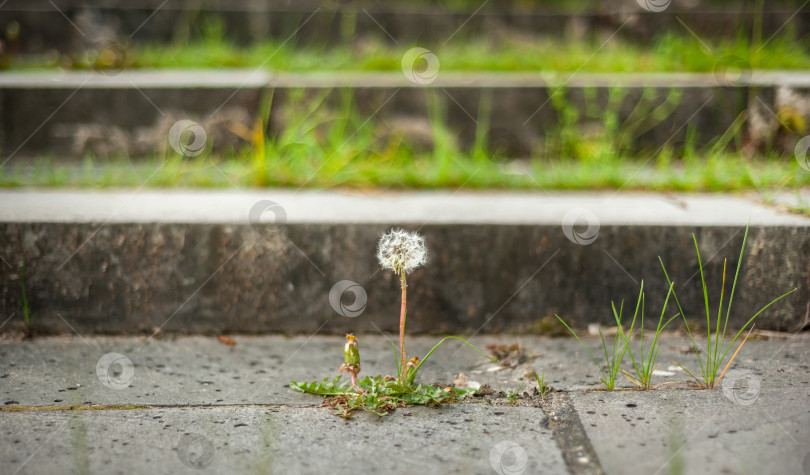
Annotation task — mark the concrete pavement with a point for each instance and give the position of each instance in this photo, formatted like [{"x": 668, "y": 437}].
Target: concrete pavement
[{"x": 197, "y": 405}]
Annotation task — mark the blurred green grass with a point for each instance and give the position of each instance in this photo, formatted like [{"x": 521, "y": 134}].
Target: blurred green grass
[
  {"x": 329, "y": 143},
  {"x": 320, "y": 151},
  {"x": 727, "y": 172},
  {"x": 667, "y": 52}
]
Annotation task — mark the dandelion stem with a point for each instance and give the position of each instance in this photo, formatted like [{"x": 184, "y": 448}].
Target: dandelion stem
[{"x": 402, "y": 324}]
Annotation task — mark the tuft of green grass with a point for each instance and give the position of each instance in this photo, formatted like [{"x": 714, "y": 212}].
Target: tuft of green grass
[
  {"x": 614, "y": 360},
  {"x": 512, "y": 395},
  {"x": 716, "y": 347},
  {"x": 541, "y": 384},
  {"x": 666, "y": 52},
  {"x": 644, "y": 370},
  {"x": 404, "y": 170}
]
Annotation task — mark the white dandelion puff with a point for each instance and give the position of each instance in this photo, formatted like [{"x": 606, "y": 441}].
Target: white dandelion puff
[{"x": 402, "y": 251}]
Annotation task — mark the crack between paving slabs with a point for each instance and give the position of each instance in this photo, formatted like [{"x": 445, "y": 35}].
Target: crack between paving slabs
[
  {"x": 567, "y": 428},
  {"x": 131, "y": 407}
]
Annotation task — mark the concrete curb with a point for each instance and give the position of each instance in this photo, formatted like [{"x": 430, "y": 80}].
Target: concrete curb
[{"x": 212, "y": 262}]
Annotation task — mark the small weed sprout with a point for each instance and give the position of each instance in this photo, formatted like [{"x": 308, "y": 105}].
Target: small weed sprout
[
  {"x": 351, "y": 358},
  {"x": 512, "y": 395},
  {"x": 716, "y": 348},
  {"x": 541, "y": 384}
]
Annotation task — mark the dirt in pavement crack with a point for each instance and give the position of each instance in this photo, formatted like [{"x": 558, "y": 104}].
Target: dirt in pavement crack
[{"x": 576, "y": 447}]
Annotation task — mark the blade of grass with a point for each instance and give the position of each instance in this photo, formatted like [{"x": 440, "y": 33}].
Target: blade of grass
[
  {"x": 456, "y": 338},
  {"x": 718, "y": 338},
  {"x": 708, "y": 315},
  {"x": 699, "y": 383},
  {"x": 736, "y": 274},
  {"x": 752, "y": 319},
  {"x": 655, "y": 344},
  {"x": 596, "y": 362},
  {"x": 683, "y": 315},
  {"x": 735, "y": 354},
  {"x": 626, "y": 336}
]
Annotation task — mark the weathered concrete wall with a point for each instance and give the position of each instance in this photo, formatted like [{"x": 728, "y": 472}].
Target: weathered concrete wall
[
  {"x": 106, "y": 122},
  {"x": 130, "y": 113},
  {"x": 227, "y": 277},
  {"x": 45, "y": 27}
]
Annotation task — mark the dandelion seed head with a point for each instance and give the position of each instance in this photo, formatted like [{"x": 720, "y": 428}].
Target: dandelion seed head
[{"x": 402, "y": 251}]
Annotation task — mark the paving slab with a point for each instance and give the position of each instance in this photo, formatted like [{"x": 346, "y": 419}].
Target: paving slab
[
  {"x": 256, "y": 370},
  {"x": 699, "y": 431},
  {"x": 452, "y": 439}
]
